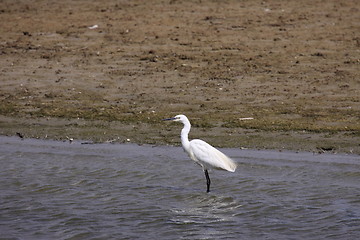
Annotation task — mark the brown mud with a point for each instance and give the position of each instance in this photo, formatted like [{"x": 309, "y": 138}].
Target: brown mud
[{"x": 253, "y": 74}]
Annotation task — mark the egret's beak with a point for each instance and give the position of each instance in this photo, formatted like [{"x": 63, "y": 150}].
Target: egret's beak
[{"x": 169, "y": 119}]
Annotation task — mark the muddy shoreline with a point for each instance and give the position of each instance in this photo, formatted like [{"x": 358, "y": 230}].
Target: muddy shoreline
[
  {"x": 158, "y": 134},
  {"x": 111, "y": 70}
]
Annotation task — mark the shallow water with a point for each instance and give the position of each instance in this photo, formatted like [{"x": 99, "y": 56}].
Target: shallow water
[{"x": 58, "y": 190}]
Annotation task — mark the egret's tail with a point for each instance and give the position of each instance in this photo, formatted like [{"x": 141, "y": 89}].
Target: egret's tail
[
  {"x": 231, "y": 165},
  {"x": 226, "y": 163}
]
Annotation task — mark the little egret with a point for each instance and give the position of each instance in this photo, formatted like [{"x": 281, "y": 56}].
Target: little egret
[{"x": 201, "y": 152}]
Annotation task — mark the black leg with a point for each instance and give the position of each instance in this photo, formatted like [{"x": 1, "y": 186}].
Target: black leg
[{"x": 207, "y": 180}]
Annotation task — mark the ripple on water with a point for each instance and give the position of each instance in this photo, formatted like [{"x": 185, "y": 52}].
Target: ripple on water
[{"x": 108, "y": 191}]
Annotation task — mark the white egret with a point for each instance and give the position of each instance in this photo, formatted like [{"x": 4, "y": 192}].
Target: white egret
[{"x": 201, "y": 152}]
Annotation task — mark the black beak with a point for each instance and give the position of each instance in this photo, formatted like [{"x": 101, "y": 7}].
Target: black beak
[{"x": 169, "y": 119}]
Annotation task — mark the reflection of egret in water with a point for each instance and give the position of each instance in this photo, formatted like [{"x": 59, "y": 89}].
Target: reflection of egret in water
[{"x": 203, "y": 213}]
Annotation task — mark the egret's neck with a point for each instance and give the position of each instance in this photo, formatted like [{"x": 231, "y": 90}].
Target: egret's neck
[{"x": 185, "y": 135}]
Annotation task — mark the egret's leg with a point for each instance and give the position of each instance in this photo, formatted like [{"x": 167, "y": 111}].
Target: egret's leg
[{"x": 207, "y": 180}]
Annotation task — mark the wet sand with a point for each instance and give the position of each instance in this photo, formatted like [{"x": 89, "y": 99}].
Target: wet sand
[{"x": 111, "y": 70}]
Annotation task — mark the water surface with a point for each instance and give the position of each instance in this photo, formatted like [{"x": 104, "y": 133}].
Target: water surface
[{"x": 58, "y": 190}]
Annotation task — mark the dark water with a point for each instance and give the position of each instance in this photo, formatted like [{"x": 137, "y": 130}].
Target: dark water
[{"x": 57, "y": 190}]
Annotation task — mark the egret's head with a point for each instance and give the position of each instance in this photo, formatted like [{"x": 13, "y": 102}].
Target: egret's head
[{"x": 177, "y": 118}]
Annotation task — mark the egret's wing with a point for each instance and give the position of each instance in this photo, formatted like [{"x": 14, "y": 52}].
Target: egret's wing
[{"x": 210, "y": 157}]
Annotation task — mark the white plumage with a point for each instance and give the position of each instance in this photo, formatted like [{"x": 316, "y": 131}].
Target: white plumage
[
  {"x": 209, "y": 157},
  {"x": 203, "y": 153}
]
